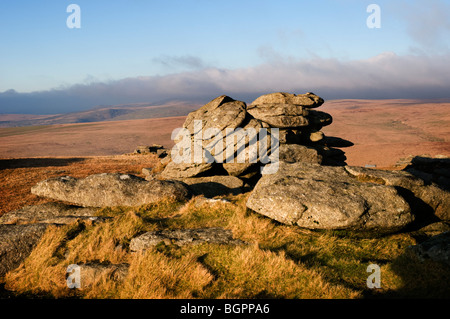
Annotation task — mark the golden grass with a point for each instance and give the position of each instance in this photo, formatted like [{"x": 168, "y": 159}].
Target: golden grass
[
  {"x": 155, "y": 275},
  {"x": 19, "y": 175},
  {"x": 278, "y": 261},
  {"x": 43, "y": 269}
]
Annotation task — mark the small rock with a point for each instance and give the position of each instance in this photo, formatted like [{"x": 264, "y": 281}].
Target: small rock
[
  {"x": 182, "y": 237},
  {"x": 437, "y": 248},
  {"x": 147, "y": 171},
  {"x": 50, "y": 213},
  {"x": 141, "y": 149},
  {"x": 316, "y": 136},
  {"x": 16, "y": 244}
]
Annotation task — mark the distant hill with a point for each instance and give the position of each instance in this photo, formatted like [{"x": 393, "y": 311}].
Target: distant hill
[
  {"x": 382, "y": 131},
  {"x": 103, "y": 113}
]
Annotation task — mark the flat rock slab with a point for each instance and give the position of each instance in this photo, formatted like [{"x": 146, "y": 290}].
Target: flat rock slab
[
  {"x": 280, "y": 115},
  {"x": 182, "y": 237},
  {"x": 437, "y": 248},
  {"x": 385, "y": 177},
  {"x": 185, "y": 170},
  {"x": 318, "y": 119},
  {"x": 309, "y": 99},
  {"x": 435, "y": 197},
  {"x": 50, "y": 213},
  {"x": 105, "y": 189},
  {"x": 16, "y": 244},
  {"x": 321, "y": 197}
]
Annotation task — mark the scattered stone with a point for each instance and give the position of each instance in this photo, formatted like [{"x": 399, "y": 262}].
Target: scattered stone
[
  {"x": 182, "y": 237},
  {"x": 321, "y": 197},
  {"x": 142, "y": 149},
  {"x": 154, "y": 149},
  {"x": 50, "y": 213},
  {"x": 105, "y": 189},
  {"x": 437, "y": 248},
  {"x": 16, "y": 244}
]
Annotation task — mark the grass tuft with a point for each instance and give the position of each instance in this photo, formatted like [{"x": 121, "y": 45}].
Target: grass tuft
[{"x": 277, "y": 261}]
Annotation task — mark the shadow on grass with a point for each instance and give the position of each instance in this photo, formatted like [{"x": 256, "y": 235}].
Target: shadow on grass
[
  {"x": 420, "y": 279},
  {"x": 37, "y": 162}
]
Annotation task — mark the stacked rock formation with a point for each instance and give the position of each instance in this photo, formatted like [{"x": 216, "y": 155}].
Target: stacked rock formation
[{"x": 299, "y": 137}]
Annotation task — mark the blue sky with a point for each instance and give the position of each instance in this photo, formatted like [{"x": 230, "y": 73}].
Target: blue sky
[{"x": 189, "y": 45}]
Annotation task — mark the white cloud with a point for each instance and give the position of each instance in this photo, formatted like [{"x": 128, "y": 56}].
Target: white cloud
[{"x": 384, "y": 76}]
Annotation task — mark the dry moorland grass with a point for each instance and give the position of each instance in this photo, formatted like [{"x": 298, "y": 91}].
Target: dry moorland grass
[
  {"x": 278, "y": 261},
  {"x": 17, "y": 176}
]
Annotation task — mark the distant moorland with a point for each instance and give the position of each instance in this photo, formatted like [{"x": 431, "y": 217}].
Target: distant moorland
[{"x": 383, "y": 131}]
